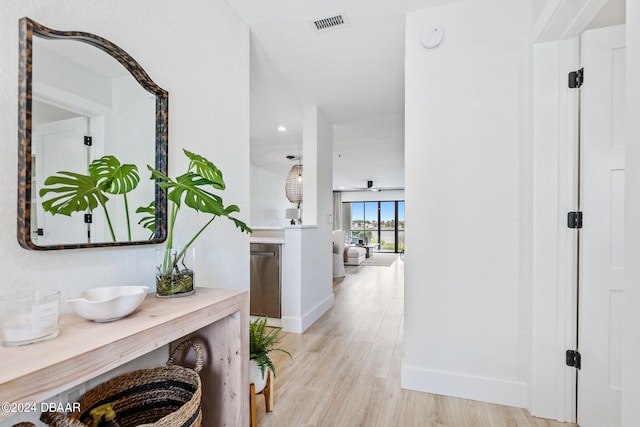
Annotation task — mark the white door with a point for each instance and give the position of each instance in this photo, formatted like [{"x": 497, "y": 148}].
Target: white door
[
  {"x": 601, "y": 270},
  {"x": 59, "y": 146}
]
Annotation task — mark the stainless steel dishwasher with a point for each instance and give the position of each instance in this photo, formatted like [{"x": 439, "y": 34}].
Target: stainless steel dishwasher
[{"x": 264, "y": 299}]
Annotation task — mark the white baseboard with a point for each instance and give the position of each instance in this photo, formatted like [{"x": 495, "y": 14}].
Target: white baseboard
[
  {"x": 300, "y": 324},
  {"x": 483, "y": 389}
]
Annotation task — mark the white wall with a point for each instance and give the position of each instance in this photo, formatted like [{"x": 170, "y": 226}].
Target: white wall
[
  {"x": 307, "y": 253},
  {"x": 73, "y": 77},
  {"x": 631, "y": 368},
  {"x": 466, "y": 120},
  {"x": 537, "y": 7},
  {"x": 131, "y": 103},
  {"x": 317, "y": 254},
  {"x": 208, "y": 113},
  {"x": 268, "y": 198}
]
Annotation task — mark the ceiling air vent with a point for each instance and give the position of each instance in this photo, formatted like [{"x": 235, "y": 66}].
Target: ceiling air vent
[{"x": 331, "y": 22}]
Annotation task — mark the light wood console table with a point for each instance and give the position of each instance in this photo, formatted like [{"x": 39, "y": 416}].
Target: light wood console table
[{"x": 85, "y": 349}]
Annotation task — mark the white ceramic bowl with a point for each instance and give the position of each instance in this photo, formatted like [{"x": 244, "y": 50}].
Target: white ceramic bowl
[{"x": 109, "y": 303}]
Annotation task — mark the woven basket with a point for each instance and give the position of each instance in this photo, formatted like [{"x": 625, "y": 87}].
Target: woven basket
[{"x": 166, "y": 396}]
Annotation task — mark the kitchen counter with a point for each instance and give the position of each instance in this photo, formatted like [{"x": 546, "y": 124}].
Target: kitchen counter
[
  {"x": 276, "y": 240},
  {"x": 267, "y": 235}
]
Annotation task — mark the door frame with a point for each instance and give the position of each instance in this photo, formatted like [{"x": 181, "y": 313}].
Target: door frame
[
  {"x": 101, "y": 116},
  {"x": 555, "y": 37}
]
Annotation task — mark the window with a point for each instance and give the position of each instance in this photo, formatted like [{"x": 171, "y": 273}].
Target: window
[
  {"x": 400, "y": 228},
  {"x": 377, "y": 223}
]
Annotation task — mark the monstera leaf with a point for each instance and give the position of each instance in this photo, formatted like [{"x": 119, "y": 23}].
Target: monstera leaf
[
  {"x": 114, "y": 177},
  {"x": 74, "y": 192},
  {"x": 148, "y": 221},
  {"x": 71, "y": 192},
  {"x": 206, "y": 169},
  {"x": 187, "y": 187}
]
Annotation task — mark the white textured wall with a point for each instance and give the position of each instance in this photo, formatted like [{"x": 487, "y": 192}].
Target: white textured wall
[
  {"x": 631, "y": 369},
  {"x": 466, "y": 119},
  {"x": 536, "y": 9},
  {"x": 208, "y": 113},
  {"x": 268, "y": 198}
]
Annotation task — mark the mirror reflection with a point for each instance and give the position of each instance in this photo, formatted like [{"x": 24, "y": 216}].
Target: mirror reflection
[{"x": 93, "y": 130}]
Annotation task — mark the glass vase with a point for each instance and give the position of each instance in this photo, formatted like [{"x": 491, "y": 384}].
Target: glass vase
[{"x": 174, "y": 272}]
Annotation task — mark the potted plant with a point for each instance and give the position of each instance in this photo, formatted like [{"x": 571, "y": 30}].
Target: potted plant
[
  {"x": 262, "y": 340},
  {"x": 193, "y": 189}
]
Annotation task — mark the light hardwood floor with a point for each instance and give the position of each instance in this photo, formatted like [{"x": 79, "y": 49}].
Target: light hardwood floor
[{"x": 345, "y": 369}]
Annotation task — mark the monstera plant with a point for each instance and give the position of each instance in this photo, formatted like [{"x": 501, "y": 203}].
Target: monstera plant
[
  {"x": 193, "y": 189},
  {"x": 70, "y": 192}
]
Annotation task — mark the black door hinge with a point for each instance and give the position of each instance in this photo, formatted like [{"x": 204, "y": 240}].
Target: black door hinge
[
  {"x": 88, "y": 218},
  {"x": 574, "y": 219},
  {"x": 40, "y": 232},
  {"x": 88, "y": 141},
  {"x": 573, "y": 359},
  {"x": 576, "y": 78}
]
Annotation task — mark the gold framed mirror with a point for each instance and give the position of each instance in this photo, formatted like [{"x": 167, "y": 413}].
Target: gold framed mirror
[{"x": 90, "y": 121}]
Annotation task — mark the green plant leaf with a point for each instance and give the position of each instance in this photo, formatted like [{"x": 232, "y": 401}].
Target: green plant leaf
[
  {"x": 205, "y": 169},
  {"x": 194, "y": 188},
  {"x": 198, "y": 198},
  {"x": 241, "y": 225},
  {"x": 71, "y": 192},
  {"x": 148, "y": 221},
  {"x": 114, "y": 177},
  {"x": 187, "y": 187}
]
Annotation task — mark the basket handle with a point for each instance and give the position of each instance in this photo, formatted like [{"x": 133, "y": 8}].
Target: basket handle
[
  {"x": 57, "y": 419},
  {"x": 197, "y": 348}
]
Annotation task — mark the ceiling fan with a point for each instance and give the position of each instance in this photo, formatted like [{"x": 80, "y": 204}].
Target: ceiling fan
[{"x": 369, "y": 187}]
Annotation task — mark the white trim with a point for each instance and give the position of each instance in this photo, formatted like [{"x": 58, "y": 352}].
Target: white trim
[
  {"x": 102, "y": 132},
  {"x": 300, "y": 324},
  {"x": 291, "y": 324},
  {"x": 562, "y": 19},
  {"x": 503, "y": 392},
  {"x": 69, "y": 101}
]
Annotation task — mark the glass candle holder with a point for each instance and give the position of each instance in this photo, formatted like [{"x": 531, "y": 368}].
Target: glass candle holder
[{"x": 29, "y": 317}]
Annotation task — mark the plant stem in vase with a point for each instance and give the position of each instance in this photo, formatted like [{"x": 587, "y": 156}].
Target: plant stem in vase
[{"x": 175, "y": 276}]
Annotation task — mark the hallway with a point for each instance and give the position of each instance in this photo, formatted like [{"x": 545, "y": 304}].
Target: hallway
[{"x": 345, "y": 369}]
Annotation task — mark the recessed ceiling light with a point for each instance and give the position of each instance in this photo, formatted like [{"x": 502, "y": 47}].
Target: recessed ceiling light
[{"x": 282, "y": 128}]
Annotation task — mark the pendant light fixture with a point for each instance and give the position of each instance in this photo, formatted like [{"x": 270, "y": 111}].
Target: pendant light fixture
[{"x": 293, "y": 185}]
